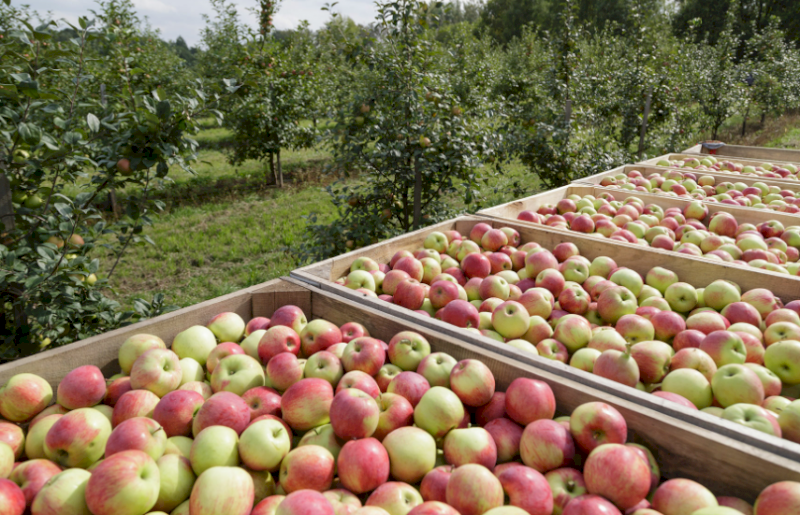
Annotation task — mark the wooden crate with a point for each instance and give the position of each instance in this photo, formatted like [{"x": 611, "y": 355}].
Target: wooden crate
[
  {"x": 752, "y": 162},
  {"x": 763, "y": 154},
  {"x": 512, "y": 209},
  {"x": 698, "y": 272},
  {"x": 724, "y": 464},
  {"x": 718, "y": 176}
]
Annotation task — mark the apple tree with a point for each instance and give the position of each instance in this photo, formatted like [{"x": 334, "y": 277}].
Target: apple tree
[
  {"x": 274, "y": 95},
  {"x": 405, "y": 132},
  {"x": 61, "y": 150}
]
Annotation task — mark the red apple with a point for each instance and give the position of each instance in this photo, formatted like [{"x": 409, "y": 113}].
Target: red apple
[
  {"x": 82, "y": 387},
  {"x": 176, "y": 410},
  {"x": 363, "y": 465}
]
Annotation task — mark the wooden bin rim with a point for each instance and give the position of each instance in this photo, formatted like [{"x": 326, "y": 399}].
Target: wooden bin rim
[{"x": 786, "y": 155}]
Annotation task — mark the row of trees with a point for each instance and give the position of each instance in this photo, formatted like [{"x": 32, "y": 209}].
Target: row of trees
[{"x": 418, "y": 109}]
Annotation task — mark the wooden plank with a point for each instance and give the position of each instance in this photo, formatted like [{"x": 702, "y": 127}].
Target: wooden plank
[
  {"x": 752, "y": 162},
  {"x": 698, "y": 271}
]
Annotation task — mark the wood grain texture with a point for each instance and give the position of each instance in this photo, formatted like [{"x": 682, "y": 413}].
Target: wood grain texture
[{"x": 726, "y": 464}]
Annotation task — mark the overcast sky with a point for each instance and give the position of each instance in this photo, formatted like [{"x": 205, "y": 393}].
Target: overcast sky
[{"x": 184, "y": 17}]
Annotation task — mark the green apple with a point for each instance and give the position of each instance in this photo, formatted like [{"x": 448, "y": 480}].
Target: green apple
[
  {"x": 250, "y": 344},
  {"x": 180, "y": 445},
  {"x": 682, "y": 297},
  {"x": 237, "y": 373},
  {"x": 134, "y": 347},
  {"x": 228, "y": 490},
  {"x": 264, "y": 444},
  {"x": 177, "y": 479},
  {"x": 783, "y": 359},
  {"x": 191, "y": 371},
  {"x": 214, "y": 446},
  {"x": 407, "y": 349},
  {"x": 197, "y": 342},
  {"x": 735, "y": 384},
  {"x": 412, "y": 453},
  {"x": 126, "y": 483},
  {"x": 64, "y": 493},
  {"x": 691, "y": 384},
  {"x": 438, "y": 411}
]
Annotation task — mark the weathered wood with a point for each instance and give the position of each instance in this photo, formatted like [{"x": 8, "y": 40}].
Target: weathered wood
[
  {"x": 717, "y": 454},
  {"x": 698, "y": 271},
  {"x": 6, "y": 207},
  {"x": 745, "y": 152}
]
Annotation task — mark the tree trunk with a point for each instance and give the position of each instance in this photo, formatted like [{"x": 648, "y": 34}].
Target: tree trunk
[
  {"x": 280, "y": 170},
  {"x": 763, "y": 118},
  {"x": 6, "y": 207},
  {"x": 744, "y": 122},
  {"x": 417, "y": 194},
  {"x": 272, "y": 168}
]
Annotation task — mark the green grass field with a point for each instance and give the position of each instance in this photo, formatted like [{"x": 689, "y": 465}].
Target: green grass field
[{"x": 223, "y": 231}]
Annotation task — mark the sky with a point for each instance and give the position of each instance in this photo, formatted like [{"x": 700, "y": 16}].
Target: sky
[{"x": 184, "y": 17}]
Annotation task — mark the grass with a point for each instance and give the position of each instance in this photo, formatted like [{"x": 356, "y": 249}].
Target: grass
[{"x": 223, "y": 230}]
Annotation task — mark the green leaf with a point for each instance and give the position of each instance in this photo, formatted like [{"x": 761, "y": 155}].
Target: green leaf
[
  {"x": 93, "y": 121},
  {"x": 30, "y": 134},
  {"x": 163, "y": 109}
]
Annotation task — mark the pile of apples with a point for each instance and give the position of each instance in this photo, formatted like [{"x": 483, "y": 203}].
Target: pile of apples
[
  {"x": 688, "y": 185},
  {"x": 710, "y": 163},
  {"x": 716, "y": 349},
  {"x": 690, "y": 230},
  {"x": 336, "y": 418}
]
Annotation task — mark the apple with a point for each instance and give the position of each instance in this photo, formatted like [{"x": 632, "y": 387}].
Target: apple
[
  {"x": 473, "y": 382},
  {"x": 691, "y": 384},
  {"x": 410, "y": 385},
  {"x": 678, "y": 496},
  {"x": 228, "y": 489},
  {"x": 724, "y": 347},
  {"x": 307, "y": 467},
  {"x": 23, "y": 397},
  {"x": 360, "y": 380},
  {"x": 618, "y": 473},
  {"x": 306, "y": 404},
  {"x": 196, "y": 342},
  {"x": 653, "y": 359},
  {"x": 782, "y": 358},
  {"x": 191, "y": 371},
  {"x": 781, "y": 497},
  {"x": 343, "y": 501},
  {"x": 276, "y": 340},
  {"x": 412, "y": 453},
  {"x": 222, "y": 409},
  {"x": 363, "y": 465},
  {"x": 789, "y": 421},
  {"x": 506, "y": 435},
  {"x": 77, "y": 439},
  {"x": 284, "y": 370},
  {"x": 407, "y": 349},
  {"x": 237, "y": 374},
  {"x": 63, "y": 493},
  {"x": 365, "y": 354},
  {"x": 546, "y": 445},
  {"x": 227, "y": 327},
  {"x": 126, "y": 483},
  {"x": 696, "y": 359},
  {"x": 176, "y": 481},
  {"x": 353, "y": 414},
  {"x": 538, "y": 302},
  {"x": 615, "y": 302},
  {"x": 473, "y": 490},
  {"x": 264, "y": 444},
  {"x": 753, "y": 416},
  {"x": 385, "y": 376},
  {"x": 82, "y": 387},
  {"x": 318, "y": 335},
  {"x": 221, "y": 351},
  {"x": 574, "y": 331},
  {"x": 591, "y": 505},
  {"x": 565, "y": 484},
  {"x": 436, "y": 368},
  {"x": 200, "y": 387},
  {"x": 434, "y": 484},
  {"x": 734, "y": 384},
  {"x": 324, "y": 365},
  {"x": 157, "y": 370},
  {"x": 134, "y": 347},
  {"x": 595, "y": 423},
  {"x": 528, "y": 400},
  {"x": 635, "y": 328},
  {"x": 139, "y": 433},
  {"x": 256, "y": 324},
  {"x": 433, "y": 508},
  {"x": 470, "y": 445},
  {"x": 134, "y": 403},
  {"x": 439, "y": 411},
  {"x": 474, "y": 264},
  {"x": 511, "y": 319},
  {"x": 682, "y": 297}
]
